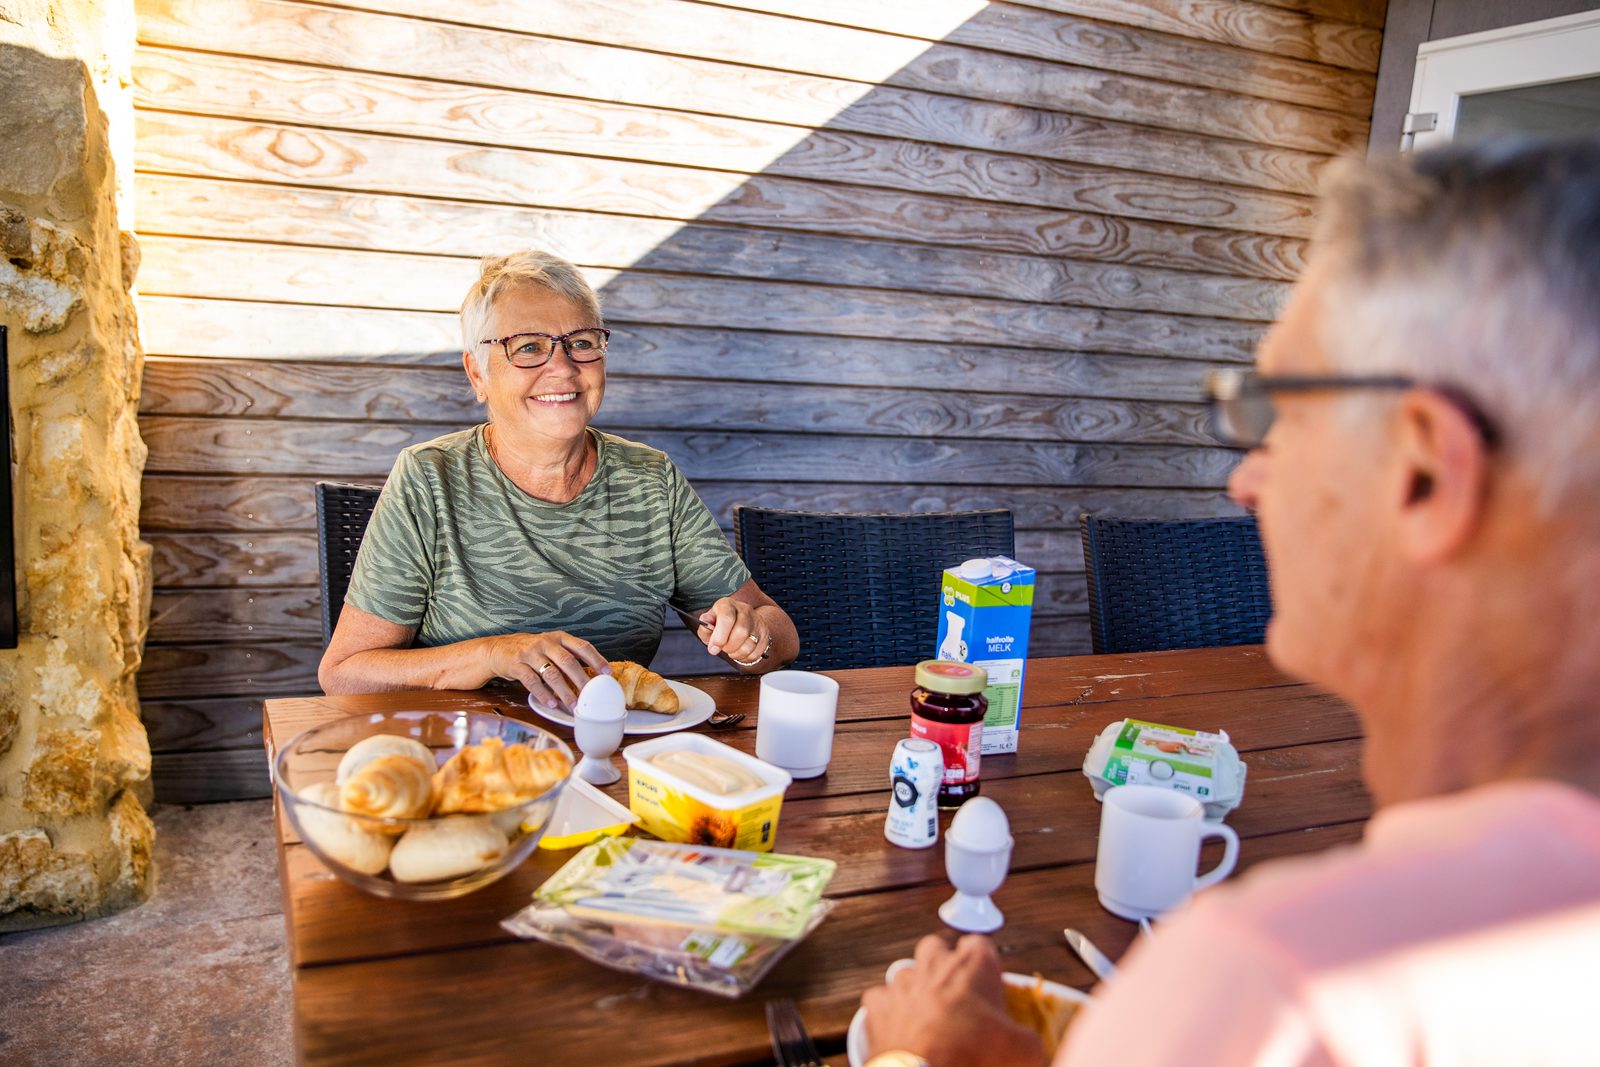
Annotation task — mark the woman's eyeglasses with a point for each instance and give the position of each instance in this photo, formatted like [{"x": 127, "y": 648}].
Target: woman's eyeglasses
[
  {"x": 529, "y": 350},
  {"x": 1242, "y": 411}
]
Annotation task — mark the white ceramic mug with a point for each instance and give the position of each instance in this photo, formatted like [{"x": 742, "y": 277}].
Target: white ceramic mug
[
  {"x": 1149, "y": 847},
  {"x": 794, "y": 721}
]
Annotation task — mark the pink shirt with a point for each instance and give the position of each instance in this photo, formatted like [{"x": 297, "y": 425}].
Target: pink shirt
[{"x": 1464, "y": 930}]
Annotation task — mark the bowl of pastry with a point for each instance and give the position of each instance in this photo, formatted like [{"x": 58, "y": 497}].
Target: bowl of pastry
[{"x": 421, "y": 805}]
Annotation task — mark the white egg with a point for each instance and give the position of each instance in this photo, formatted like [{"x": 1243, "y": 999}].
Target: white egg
[
  {"x": 980, "y": 823},
  {"x": 601, "y": 699}
]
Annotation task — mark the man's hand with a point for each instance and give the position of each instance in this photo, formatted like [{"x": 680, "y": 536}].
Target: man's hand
[{"x": 949, "y": 1008}]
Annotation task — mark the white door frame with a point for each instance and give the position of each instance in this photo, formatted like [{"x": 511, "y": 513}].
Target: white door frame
[{"x": 1535, "y": 53}]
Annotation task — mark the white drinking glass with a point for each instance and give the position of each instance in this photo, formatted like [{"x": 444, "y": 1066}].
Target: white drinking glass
[
  {"x": 794, "y": 721},
  {"x": 1149, "y": 847}
]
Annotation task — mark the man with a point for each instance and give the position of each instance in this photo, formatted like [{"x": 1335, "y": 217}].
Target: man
[{"x": 1429, "y": 500}]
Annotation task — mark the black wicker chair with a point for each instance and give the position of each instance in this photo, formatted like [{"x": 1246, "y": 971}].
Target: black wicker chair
[
  {"x": 342, "y": 515},
  {"x": 1156, "y": 584},
  {"x": 863, "y": 589}
]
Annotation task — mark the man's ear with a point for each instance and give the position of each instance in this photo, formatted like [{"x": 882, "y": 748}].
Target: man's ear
[{"x": 1443, "y": 468}]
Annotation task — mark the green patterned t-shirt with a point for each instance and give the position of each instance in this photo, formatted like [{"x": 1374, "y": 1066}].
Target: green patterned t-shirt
[{"x": 458, "y": 551}]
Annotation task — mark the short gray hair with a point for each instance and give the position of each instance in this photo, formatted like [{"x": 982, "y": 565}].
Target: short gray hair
[
  {"x": 1478, "y": 266},
  {"x": 496, "y": 274}
]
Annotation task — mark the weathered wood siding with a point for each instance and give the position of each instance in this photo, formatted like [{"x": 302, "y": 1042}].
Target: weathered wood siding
[{"x": 904, "y": 254}]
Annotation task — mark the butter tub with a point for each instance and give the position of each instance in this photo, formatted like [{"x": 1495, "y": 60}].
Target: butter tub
[{"x": 678, "y": 810}]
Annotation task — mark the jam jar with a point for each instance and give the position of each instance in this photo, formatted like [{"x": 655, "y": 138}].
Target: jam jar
[{"x": 947, "y": 708}]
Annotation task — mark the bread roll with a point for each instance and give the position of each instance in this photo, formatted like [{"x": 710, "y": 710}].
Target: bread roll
[
  {"x": 396, "y": 787},
  {"x": 340, "y": 837},
  {"x": 368, "y": 749},
  {"x": 644, "y": 689},
  {"x": 494, "y": 776},
  {"x": 447, "y": 848}
]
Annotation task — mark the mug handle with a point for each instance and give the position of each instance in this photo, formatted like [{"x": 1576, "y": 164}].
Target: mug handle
[{"x": 1230, "y": 855}]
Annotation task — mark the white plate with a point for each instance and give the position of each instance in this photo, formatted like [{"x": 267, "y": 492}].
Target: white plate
[
  {"x": 855, "y": 1042},
  {"x": 695, "y": 706}
]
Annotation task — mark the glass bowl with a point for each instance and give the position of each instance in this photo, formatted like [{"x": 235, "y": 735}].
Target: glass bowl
[{"x": 469, "y": 851}]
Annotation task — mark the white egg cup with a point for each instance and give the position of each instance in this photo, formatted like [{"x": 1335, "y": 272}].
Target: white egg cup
[
  {"x": 976, "y": 873},
  {"x": 599, "y": 719}
]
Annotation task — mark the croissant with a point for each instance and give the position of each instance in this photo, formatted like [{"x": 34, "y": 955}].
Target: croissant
[
  {"x": 493, "y": 776},
  {"x": 396, "y": 787},
  {"x": 644, "y": 689}
]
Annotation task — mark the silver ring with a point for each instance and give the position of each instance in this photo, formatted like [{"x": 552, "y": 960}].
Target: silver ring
[
  {"x": 752, "y": 662},
  {"x": 546, "y": 667}
]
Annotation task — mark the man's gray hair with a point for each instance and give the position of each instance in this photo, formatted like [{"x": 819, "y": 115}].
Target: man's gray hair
[
  {"x": 1477, "y": 267},
  {"x": 496, "y": 274}
]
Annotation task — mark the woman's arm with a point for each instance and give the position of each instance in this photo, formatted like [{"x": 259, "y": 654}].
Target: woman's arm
[
  {"x": 369, "y": 654},
  {"x": 738, "y": 627}
]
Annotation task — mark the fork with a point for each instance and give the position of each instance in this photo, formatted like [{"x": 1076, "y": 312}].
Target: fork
[
  {"x": 723, "y": 719},
  {"x": 790, "y": 1043}
]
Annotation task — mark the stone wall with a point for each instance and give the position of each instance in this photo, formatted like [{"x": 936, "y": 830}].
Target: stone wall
[{"x": 74, "y": 760}]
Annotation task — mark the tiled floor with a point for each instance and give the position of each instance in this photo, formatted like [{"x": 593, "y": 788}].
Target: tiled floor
[{"x": 198, "y": 975}]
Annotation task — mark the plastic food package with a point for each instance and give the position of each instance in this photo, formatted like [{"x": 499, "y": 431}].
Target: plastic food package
[
  {"x": 1204, "y": 765},
  {"x": 712, "y": 919}
]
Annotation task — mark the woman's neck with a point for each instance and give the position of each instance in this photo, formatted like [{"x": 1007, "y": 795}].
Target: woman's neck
[{"x": 552, "y": 471}]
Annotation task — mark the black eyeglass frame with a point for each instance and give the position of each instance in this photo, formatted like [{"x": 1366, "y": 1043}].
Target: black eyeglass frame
[
  {"x": 562, "y": 340},
  {"x": 1228, "y": 391}
]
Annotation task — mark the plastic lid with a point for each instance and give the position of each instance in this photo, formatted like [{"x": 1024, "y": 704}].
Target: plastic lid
[
  {"x": 951, "y": 676},
  {"x": 976, "y": 568}
]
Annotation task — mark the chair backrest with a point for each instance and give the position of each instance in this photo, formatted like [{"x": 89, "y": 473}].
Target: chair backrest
[
  {"x": 1158, "y": 584},
  {"x": 342, "y": 515},
  {"x": 862, "y": 589}
]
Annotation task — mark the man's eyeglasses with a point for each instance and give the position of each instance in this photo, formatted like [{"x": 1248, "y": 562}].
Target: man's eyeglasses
[
  {"x": 1242, "y": 411},
  {"x": 529, "y": 350}
]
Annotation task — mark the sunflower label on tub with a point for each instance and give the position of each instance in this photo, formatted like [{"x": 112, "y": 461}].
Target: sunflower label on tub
[{"x": 689, "y": 788}]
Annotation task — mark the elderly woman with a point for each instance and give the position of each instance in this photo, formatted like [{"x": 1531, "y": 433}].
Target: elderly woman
[{"x": 533, "y": 546}]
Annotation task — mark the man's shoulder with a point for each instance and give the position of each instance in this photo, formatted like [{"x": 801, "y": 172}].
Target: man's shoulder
[{"x": 1400, "y": 886}]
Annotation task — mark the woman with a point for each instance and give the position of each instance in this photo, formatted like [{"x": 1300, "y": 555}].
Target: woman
[{"x": 533, "y": 546}]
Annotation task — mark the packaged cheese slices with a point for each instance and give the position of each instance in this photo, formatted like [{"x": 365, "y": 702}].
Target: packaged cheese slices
[{"x": 714, "y": 919}]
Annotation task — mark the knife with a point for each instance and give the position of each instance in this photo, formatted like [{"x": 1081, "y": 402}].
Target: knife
[{"x": 1091, "y": 956}]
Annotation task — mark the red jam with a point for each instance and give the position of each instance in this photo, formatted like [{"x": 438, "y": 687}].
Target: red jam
[{"x": 947, "y": 707}]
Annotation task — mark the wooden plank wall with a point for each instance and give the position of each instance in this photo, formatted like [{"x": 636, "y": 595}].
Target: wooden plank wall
[{"x": 905, "y": 254}]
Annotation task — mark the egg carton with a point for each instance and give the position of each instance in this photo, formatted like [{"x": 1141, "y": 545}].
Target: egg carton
[{"x": 1203, "y": 765}]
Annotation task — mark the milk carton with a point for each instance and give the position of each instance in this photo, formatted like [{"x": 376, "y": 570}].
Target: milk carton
[{"x": 985, "y": 609}]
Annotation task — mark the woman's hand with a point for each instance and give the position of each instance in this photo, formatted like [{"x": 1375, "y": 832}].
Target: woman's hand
[
  {"x": 950, "y": 1009},
  {"x": 549, "y": 665},
  {"x": 734, "y": 627}
]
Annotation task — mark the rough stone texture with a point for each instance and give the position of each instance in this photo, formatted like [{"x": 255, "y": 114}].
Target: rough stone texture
[
  {"x": 61, "y": 778},
  {"x": 197, "y": 976},
  {"x": 34, "y": 876},
  {"x": 74, "y": 759}
]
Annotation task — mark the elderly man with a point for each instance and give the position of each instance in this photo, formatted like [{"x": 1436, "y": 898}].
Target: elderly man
[{"x": 1425, "y": 465}]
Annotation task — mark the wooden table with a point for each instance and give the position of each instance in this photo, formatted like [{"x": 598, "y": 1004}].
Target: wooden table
[{"x": 388, "y": 982}]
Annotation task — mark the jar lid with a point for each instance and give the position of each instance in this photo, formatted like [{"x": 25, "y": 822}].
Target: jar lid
[{"x": 951, "y": 676}]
